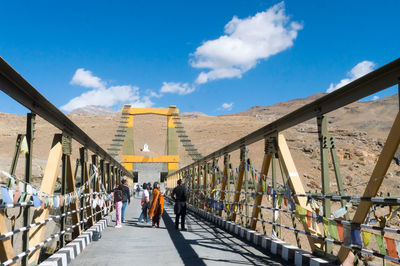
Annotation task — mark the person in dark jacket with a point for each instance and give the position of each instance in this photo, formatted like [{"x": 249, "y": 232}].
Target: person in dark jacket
[
  {"x": 179, "y": 195},
  {"x": 126, "y": 197}
]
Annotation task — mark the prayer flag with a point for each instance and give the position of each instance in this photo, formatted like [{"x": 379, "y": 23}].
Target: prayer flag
[
  {"x": 28, "y": 197},
  {"x": 17, "y": 194},
  {"x": 280, "y": 200},
  {"x": 21, "y": 187},
  {"x": 5, "y": 196},
  {"x": 11, "y": 193},
  {"x": 24, "y": 146},
  {"x": 56, "y": 201},
  {"x": 340, "y": 231},
  {"x": 309, "y": 214},
  {"x": 301, "y": 212},
  {"x": 339, "y": 212},
  {"x": 397, "y": 246},
  {"x": 29, "y": 189},
  {"x": 326, "y": 226},
  {"x": 356, "y": 237},
  {"x": 391, "y": 247},
  {"x": 379, "y": 241},
  {"x": 347, "y": 234},
  {"x": 36, "y": 201},
  {"x": 314, "y": 220},
  {"x": 22, "y": 198},
  {"x": 366, "y": 238},
  {"x": 333, "y": 230}
]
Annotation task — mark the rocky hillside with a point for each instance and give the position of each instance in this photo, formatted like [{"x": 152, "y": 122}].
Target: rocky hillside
[{"x": 360, "y": 130}]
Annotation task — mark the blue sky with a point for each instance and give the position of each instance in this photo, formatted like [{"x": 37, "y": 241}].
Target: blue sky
[{"x": 152, "y": 53}]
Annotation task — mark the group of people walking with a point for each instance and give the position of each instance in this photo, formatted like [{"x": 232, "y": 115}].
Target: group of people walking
[
  {"x": 152, "y": 207},
  {"x": 152, "y": 204},
  {"x": 122, "y": 197}
]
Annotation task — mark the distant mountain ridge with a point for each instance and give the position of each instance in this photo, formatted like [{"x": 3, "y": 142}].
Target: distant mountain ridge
[{"x": 93, "y": 110}]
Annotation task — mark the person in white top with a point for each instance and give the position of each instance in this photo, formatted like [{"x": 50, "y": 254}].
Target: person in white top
[{"x": 145, "y": 202}]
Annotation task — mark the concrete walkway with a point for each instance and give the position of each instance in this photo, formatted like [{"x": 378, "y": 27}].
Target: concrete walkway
[{"x": 202, "y": 244}]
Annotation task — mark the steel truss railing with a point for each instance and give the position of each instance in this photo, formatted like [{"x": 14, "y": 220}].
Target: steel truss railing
[
  {"x": 202, "y": 175},
  {"x": 107, "y": 170}
]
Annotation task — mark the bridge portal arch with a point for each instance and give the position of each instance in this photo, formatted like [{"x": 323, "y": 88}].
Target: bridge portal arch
[{"x": 150, "y": 168}]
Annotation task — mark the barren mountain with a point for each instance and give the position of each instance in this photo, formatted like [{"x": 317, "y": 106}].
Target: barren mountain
[
  {"x": 93, "y": 110},
  {"x": 360, "y": 130}
]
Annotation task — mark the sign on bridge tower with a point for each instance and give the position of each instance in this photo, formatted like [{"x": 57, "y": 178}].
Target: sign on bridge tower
[{"x": 143, "y": 164}]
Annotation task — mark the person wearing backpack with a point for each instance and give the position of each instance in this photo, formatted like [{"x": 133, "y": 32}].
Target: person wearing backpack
[{"x": 118, "y": 205}]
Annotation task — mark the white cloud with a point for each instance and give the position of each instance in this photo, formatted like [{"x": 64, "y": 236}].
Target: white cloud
[
  {"x": 227, "y": 106},
  {"x": 100, "y": 95},
  {"x": 86, "y": 79},
  {"x": 141, "y": 102},
  {"x": 154, "y": 94},
  {"x": 246, "y": 41},
  {"x": 176, "y": 87},
  {"x": 356, "y": 72},
  {"x": 375, "y": 98}
]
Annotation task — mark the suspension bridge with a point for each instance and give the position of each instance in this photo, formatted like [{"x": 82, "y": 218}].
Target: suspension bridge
[{"x": 238, "y": 214}]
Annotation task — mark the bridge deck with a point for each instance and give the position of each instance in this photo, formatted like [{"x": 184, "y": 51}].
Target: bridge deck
[{"x": 202, "y": 244}]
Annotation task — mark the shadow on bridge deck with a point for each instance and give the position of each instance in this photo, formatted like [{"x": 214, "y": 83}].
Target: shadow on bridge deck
[{"x": 139, "y": 244}]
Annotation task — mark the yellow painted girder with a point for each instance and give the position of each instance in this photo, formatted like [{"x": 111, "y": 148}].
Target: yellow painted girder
[
  {"x": 142, "y": 159},
  {"x": 155, "y": 111}
]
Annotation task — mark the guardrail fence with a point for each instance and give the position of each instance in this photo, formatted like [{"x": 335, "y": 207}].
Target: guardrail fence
[
  {"x": 77, "y": 206},
  {"x": 274, "y": 199}
]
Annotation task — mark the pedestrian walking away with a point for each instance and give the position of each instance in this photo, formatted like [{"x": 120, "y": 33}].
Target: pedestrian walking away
[
  {"x": 145, "y": 203},
  {"x": 126, "y": 197},
  {"x": 179, "y": 195},
  {"x": 118, "y": 205},
  {"x": 157, "y": 205}
]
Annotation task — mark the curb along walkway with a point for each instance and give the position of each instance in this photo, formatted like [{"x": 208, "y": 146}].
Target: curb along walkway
[{"x": 139, "y": 244}]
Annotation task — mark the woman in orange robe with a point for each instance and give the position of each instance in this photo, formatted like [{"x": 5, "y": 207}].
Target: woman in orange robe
[{"x": 157, "y": 205}]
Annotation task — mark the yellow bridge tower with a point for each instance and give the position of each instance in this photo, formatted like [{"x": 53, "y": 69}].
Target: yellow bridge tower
[{"x": 129, "y": 159}]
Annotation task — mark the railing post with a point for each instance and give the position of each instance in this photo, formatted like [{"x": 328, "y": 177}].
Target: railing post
[
  {"x": 192, "y": 184},
  {"x": 246, "y": 186},
  {"x": 30, "y": 130},
  {"x": 71, "y": 188},
  {"x": 213, "y": 182},
  {"x": 198, "y": 185},
  {"x": 224, "y": 181},
  {"x": 103, "y": 183},
  {"x": 83, "y": 159},
  {"x": 205, "y": 176},
  {"x": 96, "y": 188},
  {"x": 67, "y": 150},
  {"x": 109, "y": 184},
  {"x": 239, "y": 184},
  {"x": 324, "y": 149},
  {"x": 275, "y": 228}
]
